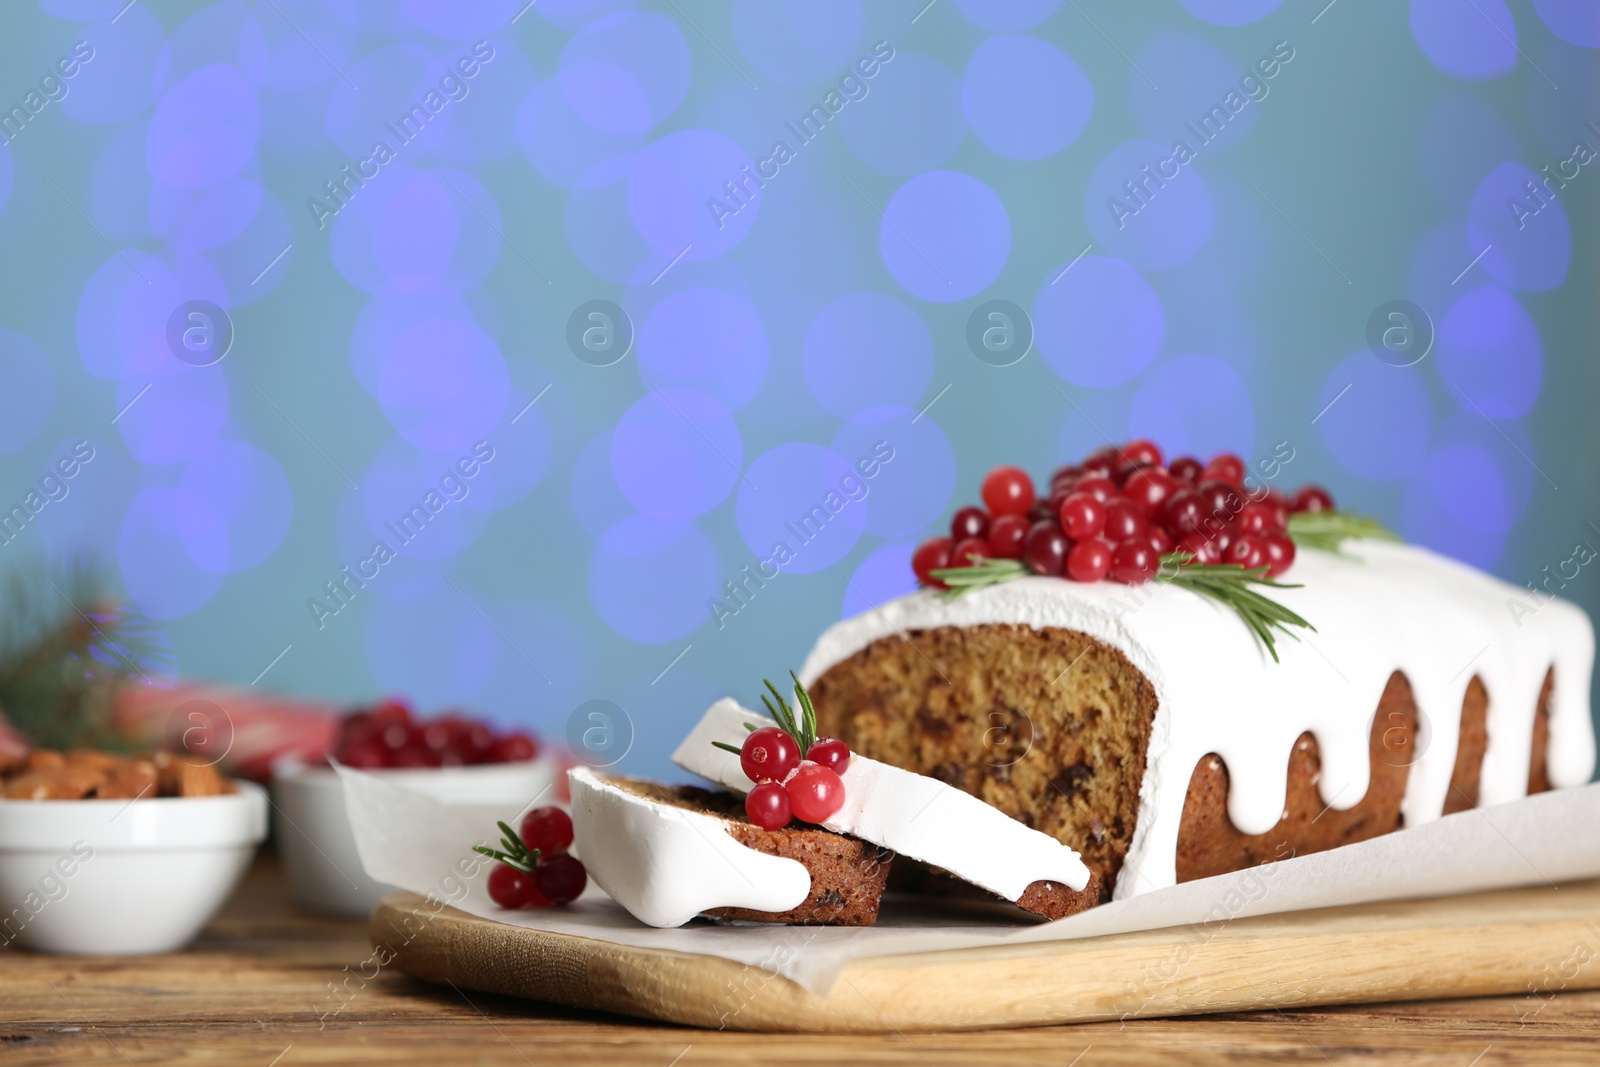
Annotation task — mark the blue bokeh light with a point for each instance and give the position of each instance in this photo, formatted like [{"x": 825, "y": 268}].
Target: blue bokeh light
[
  {"x": 707, "y": 339},
  {"x": 1425, "y": 521},
  {"x": 867, "y": 349},
  {"x": 1098, "y": 323},
  {"x": 432, "y": 645},
  {"x": 247, "y": 490},
  {"x": 181, "y": 413},
  {"x": 204, "y": 129},
  {"x": 1195, "y": 405},
  {"x": 1490, "y": 353},
  {"x": 1482, "y": 473},
  {"x": 295, "y": 44},
  {"x": 1463, "y": 138},
  {"x": 563, "y": 148},
  {"x": 1574, "y": 21},
  {"x": 625, "y": 73},
  {"x": 29, "y": 397},
  {"x": 911, "y": 119},
  {"x": 945, "y": 236},
  {"x": 913, "y": 489},
  {"x": 420, "y": 503},
  {"x": 1532, "y": 243},
  {"x": 797, "y": 495},
  {"x": 676, "y": 453},
  {"x": 1380, "y": 426},
  {"x": 387, "y": 317},
  {"x": 127, "y": 71},
  {"x": 126, "y": 304},
  {"x": 794, "y": 42},
  {"x": 100, "y": 494},
  {"x": 456, "y": 21},
  {"x": 1008, "y": 16},
  {"x": 410, "y": 230},
  {"x": 1006, "y": 80},
  {"x": 444, "y": 385},
  {"x": 171, "y": 553},
  {"x": 383, "y": 87},
  {"x": 1469, "y": 39},
  {"x": 668, "y": 184},
  {"x": 883, "y": 576},
  {"x": 1197, "y": 78},
  {"x": 1165, "y": 224},
  {"x": 596, "y": 500},
  {"x": 651, "y": 578},
  {"x": 597, "y": 229}
]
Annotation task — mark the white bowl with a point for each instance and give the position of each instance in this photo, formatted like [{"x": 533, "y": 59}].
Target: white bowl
[
  {"x": 120, "y": 877},
  {"x": 319, "y": 848}
]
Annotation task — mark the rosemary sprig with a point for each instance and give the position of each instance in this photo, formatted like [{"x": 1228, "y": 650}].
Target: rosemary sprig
[
  {"x": 802, "y": 726},
  {"x": 1231, "y": 584},
  {"x": 983, "y": 572},
  {"x": 516, "y": 853},
  {"x": 1328, "y": 530},
  {"x": 1228, "y": 583}
]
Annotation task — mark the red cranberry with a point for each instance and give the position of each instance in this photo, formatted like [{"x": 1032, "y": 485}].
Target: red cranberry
[
  {"x": 1006, "y": 534},
  {"x": 767, "y": 805},
  {"x": 366, "y": 756},
  {"x": 1107, "y": 456},
  {"x": 1143, "y": 451},
  {"x": 1311, "y": 498},
  {"x": 1248, "y": 552},
  {"x": 392, "y": 710},
  {"x": 932, "y": 555},
  {"x": 969, "y": 522},
  {"x": 511, "y": 888},
  {"x": 1127, "y": 470},
  {"x": 1089, "y": 561},
  {"x": 1186, "y": 469},
  {"x": 1099, "y": 486},
  {"x": 1184, "y": 513},
  {"x": 1222, "y": 540},
  {"x": 1222, "y": 500},
  {"x": 961, "y": 555},
  {"x": 1224, "y": 466},
  {"x": 1159, "y": 540},
  {"x": 1280, "y": 552},
  {"x": 1043, "y": 509},
  {"x": 1150, "y": 488},
  {"x": 1082, "y": 515},
  {"x": 1134, "y": 562},
  {"x": 548, "y": 829},
  {"x": 515, "y": 747},
  {"x": 1199, "y": 548},
  {"x": 1007, "y": 491},
  {"x": 829, "y": 752},
  {"x": 1045, "y": 551},
  {"x": 560, "y": 878},
  {"x": 815, "y": 793},
  {"x": 1257, "y": 519},
  {"x": 1124, "y": 520},
  {"x": 768, "y": 755}
]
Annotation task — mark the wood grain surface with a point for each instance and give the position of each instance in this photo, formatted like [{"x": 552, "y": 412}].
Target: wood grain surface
[{"x": 267, "y": 986}]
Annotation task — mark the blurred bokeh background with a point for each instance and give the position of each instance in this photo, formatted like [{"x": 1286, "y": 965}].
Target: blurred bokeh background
[{"x": 278, "y": 339}]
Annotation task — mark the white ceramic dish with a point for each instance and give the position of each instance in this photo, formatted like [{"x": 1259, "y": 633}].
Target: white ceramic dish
[
  {"x": 319, "y": 849},
  {"x": 119, "y": 877}
]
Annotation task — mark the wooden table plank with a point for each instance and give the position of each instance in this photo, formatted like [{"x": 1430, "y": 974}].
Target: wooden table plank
[{"x": 261, "y": 984}]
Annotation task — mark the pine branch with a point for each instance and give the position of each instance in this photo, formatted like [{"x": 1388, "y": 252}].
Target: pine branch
[{"x": 1328, "y": 530}]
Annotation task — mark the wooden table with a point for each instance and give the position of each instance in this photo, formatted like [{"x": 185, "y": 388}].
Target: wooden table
[{"x": 258, "y": 989}]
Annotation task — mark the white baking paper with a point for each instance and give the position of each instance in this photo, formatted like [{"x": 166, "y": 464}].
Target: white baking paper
[{"x": 421, "y": 845}]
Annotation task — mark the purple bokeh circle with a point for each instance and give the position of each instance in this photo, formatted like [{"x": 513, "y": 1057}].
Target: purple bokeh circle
[
  {"x": 668, "y": 186},
  {"x": 444, "y": 385},
  {"x": 1490, "y": 353},
  {"x": 651, "y": 579},
  {"x": 911, "y": 463},
  {"x": 676, "y": 453},
  {"x": 1099, "y": 323},
  {"x": 1469, "y": 39},
  {"x": 1165, "y": 224},
  {"x": 204, "y": 129},
  {"x": 1379, "y": 427},
  {"x": 625, "y": 73},
  {"x": 867, "y": 349},
  {"x": 796, "y": 495},
  {"x": 1006, "y": 79},
  {"x": 706, "y": 339},
  {"x": 1527, "y": 229},
  {"x": 883, "y": 576},
  {"x": 1195, "y": 405},
  {"x": 248, "y": 491},
  {"x": 945, "y": 236},
  {"x": 172, "y": 552}
]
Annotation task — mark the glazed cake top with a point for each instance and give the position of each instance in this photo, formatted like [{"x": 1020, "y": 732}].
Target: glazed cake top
[{"x": 1379, "y": 608}]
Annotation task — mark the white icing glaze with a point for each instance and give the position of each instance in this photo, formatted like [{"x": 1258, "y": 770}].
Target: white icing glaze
[
  {"x": 1391, "y": 607},
  {"x": 912, "y": 814},
  {"x": 667, "y": 864}
]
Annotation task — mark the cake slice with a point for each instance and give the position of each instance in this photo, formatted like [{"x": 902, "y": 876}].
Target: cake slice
[
  {"x": 919, "y": 818},
  {"x": 670, "y": 853}
]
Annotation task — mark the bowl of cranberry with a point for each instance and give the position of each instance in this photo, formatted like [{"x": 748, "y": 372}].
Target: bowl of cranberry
[{"x": 451, "y": 758}]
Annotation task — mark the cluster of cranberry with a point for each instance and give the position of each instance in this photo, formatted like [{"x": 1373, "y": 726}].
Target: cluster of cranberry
[
  {"x": 1116, "y": 513},
  {"x": 787, "y": 786},
  {"x": 388, "y": 736},
  {"x": 535, "y": 870}
]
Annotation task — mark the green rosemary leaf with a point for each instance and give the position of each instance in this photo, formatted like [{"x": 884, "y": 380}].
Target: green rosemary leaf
[
  {"x": 1328, "y": 530},
  {"x": 983, "y": 572},
  {"x": 727, "y": 747},
  {"x": 1232, "y": 584},
  {"x": 808, "y": 716}
]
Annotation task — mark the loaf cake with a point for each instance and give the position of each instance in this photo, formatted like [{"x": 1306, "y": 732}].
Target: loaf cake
[
  {"x": 1147, "y": 727},
  {"x": 670, "y": 853}
]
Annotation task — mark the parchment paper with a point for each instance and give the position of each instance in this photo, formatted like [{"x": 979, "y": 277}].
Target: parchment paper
[{"x": 421, "y": 845}]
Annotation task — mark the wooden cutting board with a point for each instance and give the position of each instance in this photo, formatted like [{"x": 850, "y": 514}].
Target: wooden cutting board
[{"x": 1513, "y": 941}]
